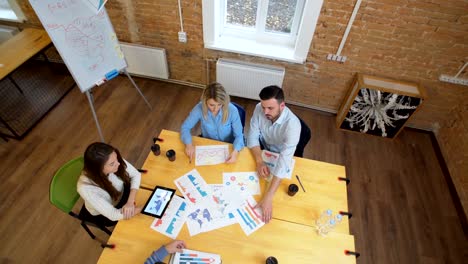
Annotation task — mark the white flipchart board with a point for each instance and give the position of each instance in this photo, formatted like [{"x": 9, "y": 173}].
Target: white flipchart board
[{"x": 85, "y": 40}]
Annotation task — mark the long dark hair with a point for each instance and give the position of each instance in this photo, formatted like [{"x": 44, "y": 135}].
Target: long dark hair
[{"x": 95, "y": 157}]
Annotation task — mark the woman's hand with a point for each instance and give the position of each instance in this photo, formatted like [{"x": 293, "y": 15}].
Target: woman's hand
[
  {"x": 232, "y": 157},
  {"x": 189, "y": 151},
  {"x": 128, "y": 210}
]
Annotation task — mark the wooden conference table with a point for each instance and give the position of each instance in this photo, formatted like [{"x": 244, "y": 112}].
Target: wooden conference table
[
  {"x": 21, "y": 48},
  {"x": 290, "y": 235},
  {"x": 288, "y": 242},
  {"x": 320, "y": 180}
]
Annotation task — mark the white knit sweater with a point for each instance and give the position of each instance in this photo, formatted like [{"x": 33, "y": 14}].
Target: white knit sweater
[{"x": 98, "y": 201}]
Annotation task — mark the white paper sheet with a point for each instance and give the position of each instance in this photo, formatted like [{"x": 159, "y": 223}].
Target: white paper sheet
[
  {"x": 250, "y": 219},
  {"x": 245, "y": 182},
  {"x": 195, "y": 257},
  {"x": 193, "y": 187},
  {"x": 173, "y": 219},
  {"x": 211, "y": 155},
  {"x": 271, "y": 159}
]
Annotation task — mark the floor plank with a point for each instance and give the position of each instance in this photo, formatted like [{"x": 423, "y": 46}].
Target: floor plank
[{"x": 402, "y": 209}]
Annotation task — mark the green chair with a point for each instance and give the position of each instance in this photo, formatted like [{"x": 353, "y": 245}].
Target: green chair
[{"x": 63, "y": 194}]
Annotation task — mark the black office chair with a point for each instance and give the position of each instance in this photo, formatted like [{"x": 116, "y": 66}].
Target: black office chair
[
  {"x": 241, "y": 111},
  {"x": 306, "y": 134}
]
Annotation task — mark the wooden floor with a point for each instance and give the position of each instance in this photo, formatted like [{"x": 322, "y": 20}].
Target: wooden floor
[{"x": 403, "y": 212}]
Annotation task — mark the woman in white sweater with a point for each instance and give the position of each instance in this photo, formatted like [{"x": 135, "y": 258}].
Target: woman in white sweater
[{"x": 108, "y": 185}]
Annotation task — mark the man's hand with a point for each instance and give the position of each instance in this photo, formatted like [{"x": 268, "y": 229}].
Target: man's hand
[
  {"x": 262, "y": 169},
  {"x": 175, "y": 246},
  {"x": 266, "y": 204}
]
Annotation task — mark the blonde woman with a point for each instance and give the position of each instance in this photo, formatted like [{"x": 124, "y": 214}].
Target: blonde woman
[{"x": 219, "y": 120}]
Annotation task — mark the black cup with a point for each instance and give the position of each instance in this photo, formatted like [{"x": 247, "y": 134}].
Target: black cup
[
  {"x": 156, "y": 149},
  {"x": 292, "y": 189},
  {"x": 271, "y": 260},
  {"x": 170, "y": 154}
]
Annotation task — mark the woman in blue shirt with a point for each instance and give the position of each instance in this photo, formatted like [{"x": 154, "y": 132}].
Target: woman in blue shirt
[{"x": 219, "y": 121}]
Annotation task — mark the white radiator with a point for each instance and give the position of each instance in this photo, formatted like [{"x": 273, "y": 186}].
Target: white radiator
[
  {"x": 145, "y": 61},
  {"x": 246, "y": 80}
]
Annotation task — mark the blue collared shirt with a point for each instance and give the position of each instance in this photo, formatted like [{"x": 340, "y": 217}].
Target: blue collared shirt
[
  {"x": 213, "y": 127},
  {"x": 281, "y": 137}
]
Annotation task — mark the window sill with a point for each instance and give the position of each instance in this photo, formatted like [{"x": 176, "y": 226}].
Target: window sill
[
  {"x": 8, "y": 15},
  {"x": 253, "y": 48}
]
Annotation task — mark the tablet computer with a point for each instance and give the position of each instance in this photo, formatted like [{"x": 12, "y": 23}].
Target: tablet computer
[{"x": 158, "y": 201}]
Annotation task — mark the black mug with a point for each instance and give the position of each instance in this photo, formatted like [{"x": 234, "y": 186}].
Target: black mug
[
  {"x": 156, "y": 149},
  {"x": 271, "y": 260},
  {"x": 292, "y": 189},
  {"x": 170, "y": 154}
]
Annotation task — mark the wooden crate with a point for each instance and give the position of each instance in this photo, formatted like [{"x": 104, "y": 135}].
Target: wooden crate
[{"x": 379, "y": 106}]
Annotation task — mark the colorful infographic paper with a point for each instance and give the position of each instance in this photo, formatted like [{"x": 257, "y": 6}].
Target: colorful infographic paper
[
  {"x": 245, "y": 182},
  {"x": 249, "y": 218},
  {"x": 193, "y": 187},
  {"x": 173, "y": 219},
  {"x": 211, "y": 155},
  {"x": 195, "y": 257},
  {"x": 271, "y": 159}
]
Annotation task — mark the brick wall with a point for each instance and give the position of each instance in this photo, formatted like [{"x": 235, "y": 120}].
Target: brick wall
[
  {"x": 453, "y": 139},
  {"x": 412, "y": 40}
]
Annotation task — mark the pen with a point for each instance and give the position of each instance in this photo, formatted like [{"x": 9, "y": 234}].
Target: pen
[{"x": 299, "y": 180}]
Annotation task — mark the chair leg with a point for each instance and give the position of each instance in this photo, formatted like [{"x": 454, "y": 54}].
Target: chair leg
[
  {"x": 103, "y": 243},
  {"x": 103, "y": 228},
  {"x": 87, "y": 230}
]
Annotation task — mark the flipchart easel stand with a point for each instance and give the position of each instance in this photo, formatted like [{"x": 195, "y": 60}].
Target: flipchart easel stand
[{"x": 91, "y": 104}]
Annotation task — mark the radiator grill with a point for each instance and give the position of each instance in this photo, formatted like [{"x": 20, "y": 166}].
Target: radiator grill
[{"x": 246, "y": 80}]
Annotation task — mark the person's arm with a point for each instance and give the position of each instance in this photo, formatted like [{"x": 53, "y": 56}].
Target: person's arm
[
  {"x": 130, "y": 209},
  {"x": 237, "y": 131},
  {"x": 253, "y": 142},
  {"x": 157, "y": 256},
  {"x": 291, "y": 137},
  {"x": 100, "y": 200},
  {"x": 185, "y": 130},
  {"x": 267, "y": 200},
  {"x": 162, "y": 252},
  {"x": 262, "y": 168}
]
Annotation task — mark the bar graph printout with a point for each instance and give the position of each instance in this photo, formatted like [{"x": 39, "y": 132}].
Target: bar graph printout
[
  {"x": 249, "y": 218},
  {"x": 211, "y": 155},
  {"x": 173, "y": 219},
  {"x": 271, "y": 159},
  {"x": 195, "y": 257},
  {"x": 194, "y": 188}
]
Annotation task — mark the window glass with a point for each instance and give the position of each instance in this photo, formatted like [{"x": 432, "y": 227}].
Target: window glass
[
  {"x": 241, "y": 12},
  {"x": 280, "y": 16}
]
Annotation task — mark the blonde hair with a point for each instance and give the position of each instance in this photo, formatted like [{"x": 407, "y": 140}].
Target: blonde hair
[{"x": 216, "y": 92}]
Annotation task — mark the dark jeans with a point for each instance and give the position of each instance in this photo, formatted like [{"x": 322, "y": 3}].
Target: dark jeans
[{"x": 101, "y": 220}]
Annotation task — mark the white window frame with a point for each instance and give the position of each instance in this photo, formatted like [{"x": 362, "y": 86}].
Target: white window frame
[
  {"x": 287, "y": 47},
  {"x": 14, "y": 7}
]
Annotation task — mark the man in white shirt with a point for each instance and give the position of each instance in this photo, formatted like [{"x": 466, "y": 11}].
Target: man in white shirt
[{"x": 274, "y": 127}]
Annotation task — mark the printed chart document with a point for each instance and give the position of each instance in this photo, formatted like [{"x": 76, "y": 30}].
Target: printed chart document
[
  {"x": 249, "y": 218},
  {"x": 271, "y": 159},
  {"x": 245, "y": 182},
  {"x": 195, "y": 257},
  {"x": 193, "y": 187},
  {"x": 211, "y": 155},
  {"x": 173, "y": 219}
]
